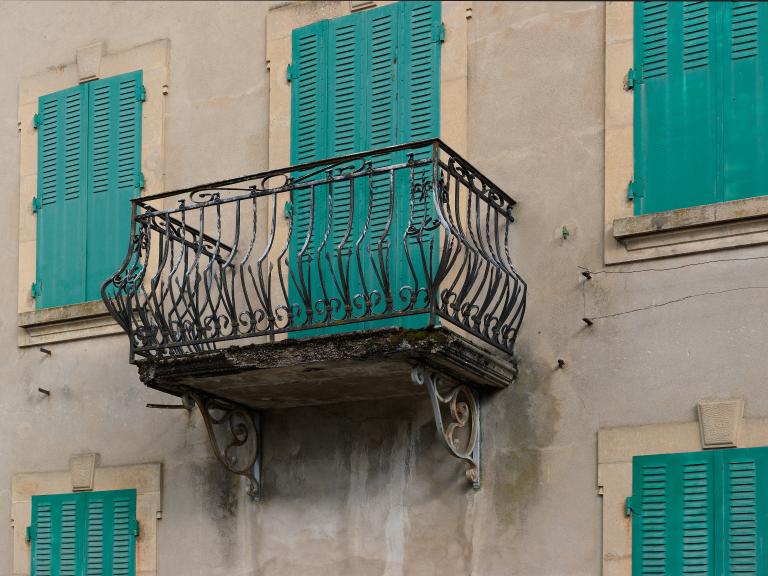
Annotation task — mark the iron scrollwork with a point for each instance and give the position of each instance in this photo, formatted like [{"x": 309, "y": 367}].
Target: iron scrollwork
[
  {"x": 234, "y": 432},
  {"x": 461, "y": 429}
]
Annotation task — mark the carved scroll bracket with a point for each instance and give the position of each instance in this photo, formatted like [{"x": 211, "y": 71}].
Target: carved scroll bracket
[
  {"x": 460, "y": 426},
  {"x": 234, "y": 432}
]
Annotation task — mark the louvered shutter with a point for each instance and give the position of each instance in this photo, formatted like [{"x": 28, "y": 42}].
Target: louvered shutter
[
  {"x": 61, "y": 219},
  {"x": 381, "y": 252},
  {"x": 110, "y": 527},
  {"x": 57, "y": 533},
  {"x": 357, "y": 82},
  {"x": 745, "y": 71},
  {"x": 743, "y": 511},
  {"x": 419, "y": 119},
  {"x": 676, "y": 105},
  {"x": 114, "y": 163},
  {"x": 673, "y": 514}
]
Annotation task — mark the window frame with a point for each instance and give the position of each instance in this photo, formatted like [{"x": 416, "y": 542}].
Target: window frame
[
  {"x": 629, "y": 238},
  {"x": 87, "y": 319}
]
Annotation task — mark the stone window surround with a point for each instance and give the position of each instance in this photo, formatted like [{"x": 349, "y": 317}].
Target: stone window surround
[
  {"x": 629, "y": 238},
  {"x": 87, "y": 319},
  {"x": 617, "y": 446},
  {"x": 145, "y": 478}
]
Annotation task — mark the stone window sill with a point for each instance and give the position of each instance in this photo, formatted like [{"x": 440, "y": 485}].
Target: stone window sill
[
  {"x": 64, "y": 323},
  {"x": 696, "y": 229}
]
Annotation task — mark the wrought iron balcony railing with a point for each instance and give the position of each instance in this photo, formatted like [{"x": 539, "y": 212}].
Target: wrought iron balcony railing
[{"x": 409, "y": 235}]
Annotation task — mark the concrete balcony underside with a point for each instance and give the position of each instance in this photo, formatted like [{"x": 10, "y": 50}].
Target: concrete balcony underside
[{"x": 347, "y": 367}]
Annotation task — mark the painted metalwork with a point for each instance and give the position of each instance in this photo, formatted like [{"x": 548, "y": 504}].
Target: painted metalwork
[
  {"x": 460, "y": 430},
  {"x": 214, "y": 264},
  {"x": 234, "y": 432}
]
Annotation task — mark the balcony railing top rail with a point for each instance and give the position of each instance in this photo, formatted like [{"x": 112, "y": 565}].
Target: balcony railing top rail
[{"x": 409, "y": 235}]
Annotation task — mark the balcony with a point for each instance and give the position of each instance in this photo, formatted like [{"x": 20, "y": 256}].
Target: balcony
[{"x": 340, "y": 280}]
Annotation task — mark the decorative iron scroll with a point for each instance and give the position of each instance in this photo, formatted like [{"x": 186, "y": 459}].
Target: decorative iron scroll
[
  {"x": 405, "y": 231},
  {"x": 460, "y": 430},
  {"x": 234, "y": 432}
]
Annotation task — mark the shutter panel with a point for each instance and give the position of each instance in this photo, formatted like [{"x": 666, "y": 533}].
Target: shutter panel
[
  {"x": 743, "y": 506},
  {"x": 745, "y": 59},
  {"x": 61, "y": 190},
  {"x": 114, "y": 160},
  {"x": 110, "y": 527},
  {"x": 673, "y": 514},
  {"x": 676, "y": 105},
  {"x": 309, "y": 128},
  {"x": 419, "y": 119},
  {"x": 57, "y": 526}
]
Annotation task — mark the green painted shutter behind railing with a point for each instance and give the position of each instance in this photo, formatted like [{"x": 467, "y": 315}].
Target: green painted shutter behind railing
[
  {"x": 673, "y": 514},
  {"x": 676, "y": 105},
  {"x": 57, "y": 535},
  {"x": 114, "y": 152},
  {"x": 61, "y": 220},
  {"x": 84, "y": 534},
  {"x": 745, "y": 80},
  {"x": 742, "y": 525},
  {"x": 367, "y": 80}
]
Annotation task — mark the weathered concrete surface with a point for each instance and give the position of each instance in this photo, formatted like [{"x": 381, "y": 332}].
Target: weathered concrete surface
[
  {"x": 367, "y": 489},
  {"x": 331, "y": 369}
]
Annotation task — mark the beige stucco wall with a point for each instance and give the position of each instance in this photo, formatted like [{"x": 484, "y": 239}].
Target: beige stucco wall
[{"x": 368, "y": 489}]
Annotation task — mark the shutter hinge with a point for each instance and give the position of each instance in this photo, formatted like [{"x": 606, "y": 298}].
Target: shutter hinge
[
  {"x": 634, "y": 190},
  {"x": 37, "y": 205},
  {"x": 288, "y": 210},
  {"x": 136, "y": 529},
  {"x": 628, "y": 507},
  {"x": 140, "y": 181},
  {"x": 631, "y": 79},
  {"x": 30, "y": 534},
  {"x": 141, "y": 93},
  {"x": 438, "y": 32},
  {"x": 291, "y": 73},
  {"x": 35, "y": 290},
  {"x": 36, "y": 119}
]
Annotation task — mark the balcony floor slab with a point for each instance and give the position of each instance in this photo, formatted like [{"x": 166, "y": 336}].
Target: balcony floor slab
[{"x": 356, "y": 366}]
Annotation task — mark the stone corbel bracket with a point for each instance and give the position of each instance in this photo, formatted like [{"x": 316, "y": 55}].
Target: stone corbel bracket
[
  {"x": 460, "y": 426},
  {"x": 234, "y": 432}
]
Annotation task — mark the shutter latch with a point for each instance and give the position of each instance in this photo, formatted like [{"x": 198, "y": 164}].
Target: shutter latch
[
  {"x": 291, "y": 72},
  {"x": 35, "y": 290},
  {"x": 438, "y": 32},
  {"x": 634, "y": 190},
  {"x": 36, "y": 205},
  {"x": 630, "y": 80}
]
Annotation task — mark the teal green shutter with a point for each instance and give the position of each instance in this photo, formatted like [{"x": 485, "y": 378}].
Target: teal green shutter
[
  {"x": 677, "y": 119},
  {"x": 745, "y": 58},
  {"x": 57, "y": 535},
  {"x": 114, "y": 162},
  {"x": 84, "y": 534},
  {"x": 743, "y": 511},
  {"x": 111, "y": 533},
  {"x": 367, "y": 80},
  {"x": 673, "y": 514},
  {"x": 309, "y": 128},
  {"x": 61, "y": 219}
]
